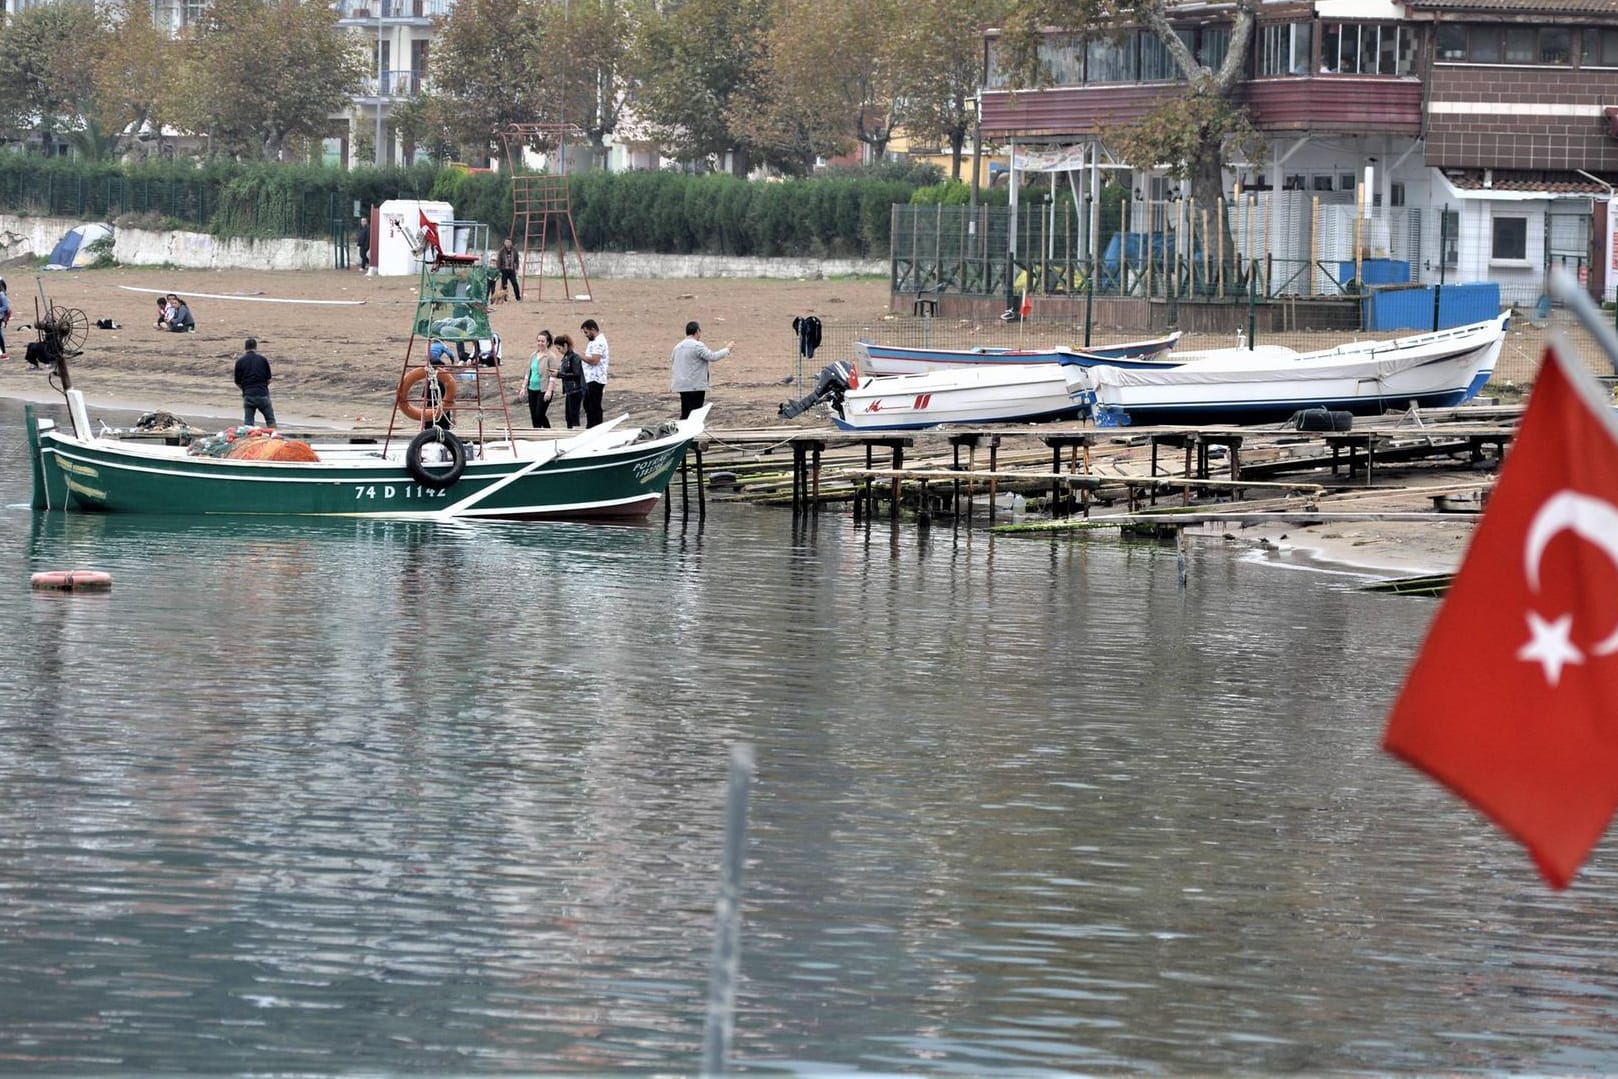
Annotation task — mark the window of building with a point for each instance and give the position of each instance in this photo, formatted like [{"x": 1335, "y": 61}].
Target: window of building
[
  {"x": 1107, "y": 60},
  {"x": 1510, "y": 239},
  {"x": 1064, "y": 62},
  {"x": 1555, "y": 45},
  {"x": 1366, "y": 48},
  {"x": 1346, "y": 181},
  {"x": 1287, "y": 49},
  {"x": 1136, "y": 56},
  {"x": 1451, "y": 237},
  {"x": 1212, "y": 44},
  {"x": 1600, "y": 47},
  {"x": 1322, "y": 183},
  {"x": 1490, "y": 43},
  {"x": 1156, "y": 65},
  {"x": 1451, "y": 41},
  {"x": 1396, "y": 194}
]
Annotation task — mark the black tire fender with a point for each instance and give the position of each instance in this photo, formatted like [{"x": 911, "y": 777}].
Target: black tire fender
[{"x": 438, "y": 477}]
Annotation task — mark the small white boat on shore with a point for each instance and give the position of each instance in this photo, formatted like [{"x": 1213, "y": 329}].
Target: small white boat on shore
[
  {"x": 1429, "y": 370},
  {"x": 1011, "y": 393}
]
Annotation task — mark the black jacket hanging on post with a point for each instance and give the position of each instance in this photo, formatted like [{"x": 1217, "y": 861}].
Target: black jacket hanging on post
[{"x": 807, "y": 327}]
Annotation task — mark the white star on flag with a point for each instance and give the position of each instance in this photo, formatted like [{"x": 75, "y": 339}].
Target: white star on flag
[{"x": 1550, "y": 645}]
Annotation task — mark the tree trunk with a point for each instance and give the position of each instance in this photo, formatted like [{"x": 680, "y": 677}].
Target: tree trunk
[{"x": 1207, "y": 188}]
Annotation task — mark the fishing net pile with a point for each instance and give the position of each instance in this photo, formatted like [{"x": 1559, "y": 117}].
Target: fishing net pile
[{"x": 252, "y": 444}]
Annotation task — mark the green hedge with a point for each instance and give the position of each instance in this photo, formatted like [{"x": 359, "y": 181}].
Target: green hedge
[{"x": 843, "y": 215}]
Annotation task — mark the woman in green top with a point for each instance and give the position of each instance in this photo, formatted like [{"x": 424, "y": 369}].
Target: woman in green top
[{"x": 541, "y": 386}]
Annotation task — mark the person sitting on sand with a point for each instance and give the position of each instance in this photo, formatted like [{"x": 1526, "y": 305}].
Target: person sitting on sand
[{"x": 177, "y": 317}]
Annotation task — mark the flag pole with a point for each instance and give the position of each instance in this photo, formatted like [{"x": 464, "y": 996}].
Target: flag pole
[{"x": 1565, "y": 287}]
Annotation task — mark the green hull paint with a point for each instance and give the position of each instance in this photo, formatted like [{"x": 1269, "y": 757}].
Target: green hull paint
[{"x": 104, "y": 475}]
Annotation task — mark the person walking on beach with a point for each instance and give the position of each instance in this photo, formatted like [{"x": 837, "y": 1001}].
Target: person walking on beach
[
  {"x": 253, "y": 376},
  {"x": 571, "y": 373},
  {"x": 542, "y": 371},
  {"x": 5, "y": 318},
  {"x": 596, "y": 358},
  {"x": 507, "y": 263},
  {"x": 690, "y": 360},
  {"x": 363, "y": 239}
]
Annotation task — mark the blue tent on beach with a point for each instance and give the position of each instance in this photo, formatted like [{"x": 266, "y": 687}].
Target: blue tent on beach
[{"x": 72, "y": 251}]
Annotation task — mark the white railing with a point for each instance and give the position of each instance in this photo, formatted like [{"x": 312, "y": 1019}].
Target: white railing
[
  {"x": 372, "y": 10},
  {"x": 405, "y": 83}
]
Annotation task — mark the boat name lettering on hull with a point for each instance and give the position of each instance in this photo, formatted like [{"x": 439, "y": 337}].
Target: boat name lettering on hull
[
  {"x": 364, "y": 492},
  {"x": 645, "y": 470}
]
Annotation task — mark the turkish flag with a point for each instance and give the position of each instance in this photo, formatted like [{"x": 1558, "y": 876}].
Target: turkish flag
[
  {"x": 429, "y": 236},
  {"x": 1027, "y": 308},
  {"x": 1512, "y": 702}
]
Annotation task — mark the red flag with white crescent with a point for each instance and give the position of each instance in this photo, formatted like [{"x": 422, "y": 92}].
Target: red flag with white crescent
[
  {"x": 1027, "y": 308},
  {"x": 1512, "y": 702},
  {"x": 429, "y": 236}
]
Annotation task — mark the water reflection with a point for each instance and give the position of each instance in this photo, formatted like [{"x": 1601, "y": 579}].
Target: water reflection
[{"x": 336, "y": 796}]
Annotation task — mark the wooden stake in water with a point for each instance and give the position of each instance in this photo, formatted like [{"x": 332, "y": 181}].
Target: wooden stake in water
[{"x": 721, "y": 1017}]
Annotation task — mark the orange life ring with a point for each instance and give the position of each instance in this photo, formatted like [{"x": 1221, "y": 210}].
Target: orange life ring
[
  {"x": 72, "y": 580},
  {"x": 446, "y": 388}
]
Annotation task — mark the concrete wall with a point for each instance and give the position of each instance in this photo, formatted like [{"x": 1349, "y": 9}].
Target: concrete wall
[{"x": 35, "y": 236}]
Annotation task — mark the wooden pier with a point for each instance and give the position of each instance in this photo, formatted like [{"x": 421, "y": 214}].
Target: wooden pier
[{"x": 1070, "y": 469}]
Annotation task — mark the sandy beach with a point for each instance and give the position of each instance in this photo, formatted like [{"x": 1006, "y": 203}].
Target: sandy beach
[{"x": 337, "y": 364}]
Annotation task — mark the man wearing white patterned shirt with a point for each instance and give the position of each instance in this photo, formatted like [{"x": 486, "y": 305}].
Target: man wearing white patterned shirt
[{"x": 596, "y": 358}]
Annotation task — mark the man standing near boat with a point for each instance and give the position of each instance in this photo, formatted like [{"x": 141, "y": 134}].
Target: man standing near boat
[
  {"x": 691, "y": 359},
  {"x": 253, "y": 376},
  {"x": 596, "y": 358}
]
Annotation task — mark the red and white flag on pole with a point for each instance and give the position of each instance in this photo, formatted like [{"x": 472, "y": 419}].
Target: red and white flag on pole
[
  {"x": 1027, "y": 308},
  {"x": 1512, "y": 702},
  {"x": 429, "y": 237}
]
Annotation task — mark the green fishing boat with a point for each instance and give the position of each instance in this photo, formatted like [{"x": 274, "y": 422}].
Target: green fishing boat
[{"x": 448, "y": 452}]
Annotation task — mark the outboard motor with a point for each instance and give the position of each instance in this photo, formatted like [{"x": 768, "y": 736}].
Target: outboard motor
[{"x": 834, "y": 380}]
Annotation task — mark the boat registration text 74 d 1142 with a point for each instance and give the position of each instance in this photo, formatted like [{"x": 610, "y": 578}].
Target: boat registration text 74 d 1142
[{"x": 371, "y": 492}]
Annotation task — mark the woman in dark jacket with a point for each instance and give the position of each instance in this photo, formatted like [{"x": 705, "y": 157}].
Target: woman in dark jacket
[{"x": 572, "y": 373}]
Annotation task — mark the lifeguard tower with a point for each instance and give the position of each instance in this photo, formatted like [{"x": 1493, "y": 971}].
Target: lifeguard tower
[{"x": 541, "y": 209}]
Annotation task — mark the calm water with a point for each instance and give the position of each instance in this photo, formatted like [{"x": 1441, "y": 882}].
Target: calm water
[{"x": 383, "y": 797}]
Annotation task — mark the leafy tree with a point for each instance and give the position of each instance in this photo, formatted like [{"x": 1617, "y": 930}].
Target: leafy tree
[
  {"x": 489, "y": 71},
  {"x": 692, "y": 59},
  {"x": 131, "y": 64},
  {"x": 591, "y": 87},
  {"x": 1193, "y": 133},
  {"x": 259, "y": 72},
  {"x": 837, "y": 63},
  {"x": 42, "y": 77},
  {"x": 943, "y": 46}
]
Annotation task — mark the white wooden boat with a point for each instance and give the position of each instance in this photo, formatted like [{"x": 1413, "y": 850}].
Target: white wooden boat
[
  {"x": 1013, "y": 393},
  {"x": 879, "y": 359},
  {"x": 1430, "y": 370}
]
